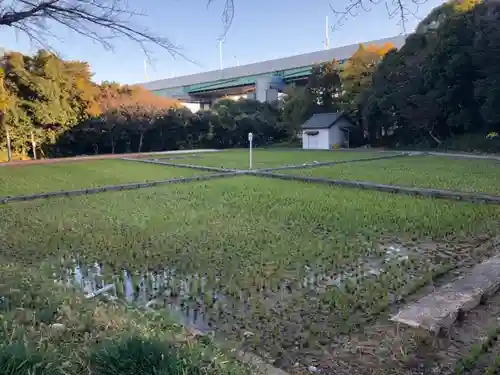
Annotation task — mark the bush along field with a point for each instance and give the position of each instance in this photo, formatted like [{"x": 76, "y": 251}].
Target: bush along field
[{"x": 304, "y": 275}]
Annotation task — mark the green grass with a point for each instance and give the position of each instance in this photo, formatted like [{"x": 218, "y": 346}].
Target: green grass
[
  {"x": 48, "y": 329},
  {"x": 250, "y": 234},
  {"x": 239, "y": 159},
  {"x": 235, "y": 223},
  {"x": 480, "y": 176},
  {"x": 77, "y": 175}
]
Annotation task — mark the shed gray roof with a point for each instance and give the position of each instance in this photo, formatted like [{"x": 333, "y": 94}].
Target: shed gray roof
[
  {"x": 323, "y": 120},
  {"x": 269, "y": 66}
]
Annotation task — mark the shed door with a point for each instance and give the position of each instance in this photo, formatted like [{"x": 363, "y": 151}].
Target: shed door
[{"x": 313, "y": 141}]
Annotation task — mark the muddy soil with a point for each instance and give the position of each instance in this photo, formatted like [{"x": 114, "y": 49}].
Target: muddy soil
[
  {"x": 488, "y": 359},
  {"x": 383, "y": 348}
]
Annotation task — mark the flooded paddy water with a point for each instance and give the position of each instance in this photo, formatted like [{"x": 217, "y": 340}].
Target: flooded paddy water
[
  {"x": 286, "y": 322},
  {"x": 290, "y": 271}
]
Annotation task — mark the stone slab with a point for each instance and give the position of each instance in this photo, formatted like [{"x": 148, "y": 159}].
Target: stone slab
[{"x": 441, "y": 308}]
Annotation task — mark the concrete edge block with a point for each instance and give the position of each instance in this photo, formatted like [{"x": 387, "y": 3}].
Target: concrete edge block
[
  {"x": 441, "y": 308},
  {"x": 189, "y": 166},
  {"x": 332, "y": 163},
  {"x": 397, "y": 189},
  {"x": 121, "y": 187}
]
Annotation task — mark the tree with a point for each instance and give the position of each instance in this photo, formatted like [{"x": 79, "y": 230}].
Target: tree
[
  {"x": 5, "y": 106},
  {"x": 356, "y": 76},
  {"x": 401, "y": 10},
  {"x": 325, "y": 87},
  {"x": 442, "y": 84},
  {"x": 298, "y": 106}
]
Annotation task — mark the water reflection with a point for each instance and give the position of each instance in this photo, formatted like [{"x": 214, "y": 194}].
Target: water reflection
[
  {"x": 197, "y": 304},
  {"x": 151, "y": 290}
]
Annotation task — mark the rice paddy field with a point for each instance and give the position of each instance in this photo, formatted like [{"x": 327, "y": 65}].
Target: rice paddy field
[
  {"x": 438, "y": 172},
  {"x": 239, "y": 159},
  {"x": 77, "y": 175},
  {"x": 304, "y": 275}
]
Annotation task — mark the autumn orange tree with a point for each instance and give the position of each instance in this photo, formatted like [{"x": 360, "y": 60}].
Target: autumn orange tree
[
  {"x": 50, "y": 95},
  {"x": 356, "y": 75},
  {"x": 44, "y": 98},
  {"x": 337, "y": 86},
  {"x": 132, "y": 107}
]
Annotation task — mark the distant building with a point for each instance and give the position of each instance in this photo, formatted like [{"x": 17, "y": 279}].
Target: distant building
[{"x": 324, "y": 131}]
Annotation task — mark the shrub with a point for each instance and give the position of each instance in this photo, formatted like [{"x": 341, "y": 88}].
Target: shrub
[
  {"x": 18, "y": 359},
  {"x": 134, "y": 355}
]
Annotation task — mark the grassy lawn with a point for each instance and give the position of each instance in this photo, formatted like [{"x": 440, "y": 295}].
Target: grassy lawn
[
  {"x": 77, "y": 175},
  {"x": 480, "y": 176},
  {"x": 239, "y": 159},
  {"x": 297, "y": 264}
]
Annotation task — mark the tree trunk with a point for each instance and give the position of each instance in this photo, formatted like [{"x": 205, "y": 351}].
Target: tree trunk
[
  {"x": 113, "y": 144},
  {"x": 33, "y": 144},
  {"x": 437, "y": 140},
  {"x": 7, "y": 136},
  {"x": 141, "y": 139}
]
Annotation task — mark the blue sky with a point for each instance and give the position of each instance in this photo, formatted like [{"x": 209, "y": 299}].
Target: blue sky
[{"x": 261, "y": 30}]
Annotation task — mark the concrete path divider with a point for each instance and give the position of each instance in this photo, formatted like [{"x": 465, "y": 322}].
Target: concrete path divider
[
  {"x": 190, "y": 166},
  {"x": 101, "y": 189},
  {"x": 423, "y": 192},
  {"x": 331, "y": 163}
]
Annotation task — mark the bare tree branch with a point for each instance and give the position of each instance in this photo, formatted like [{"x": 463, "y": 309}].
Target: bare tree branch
[
  {"x": 227, "y": 16},
  {"x": 402, "y": 9},
  {"x": 99, "y": 20}
]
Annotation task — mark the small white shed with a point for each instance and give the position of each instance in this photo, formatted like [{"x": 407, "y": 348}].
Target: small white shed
[{"x": 324, "y": 131}]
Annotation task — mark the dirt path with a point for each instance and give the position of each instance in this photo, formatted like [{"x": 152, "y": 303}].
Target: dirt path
[{"x": 22, "y": 163}]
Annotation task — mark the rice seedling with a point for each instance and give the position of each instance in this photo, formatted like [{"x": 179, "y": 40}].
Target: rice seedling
[
  {"x": 66, "y": 176},
  {"x": 283, "y": 267},
  {"x": 479, "y": 176},
  {"x": 262, "y": 158}
]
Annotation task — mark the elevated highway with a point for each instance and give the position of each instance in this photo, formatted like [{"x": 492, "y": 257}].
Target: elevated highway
[{"x": 262, "y": 80}]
